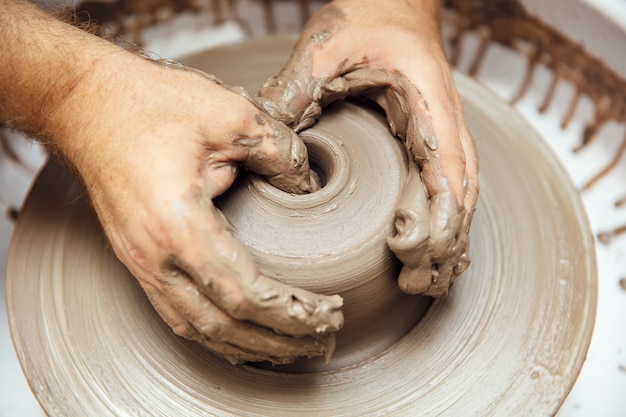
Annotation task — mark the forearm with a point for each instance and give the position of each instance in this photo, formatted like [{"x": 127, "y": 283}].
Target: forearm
[{"x": 43, "y": 63}]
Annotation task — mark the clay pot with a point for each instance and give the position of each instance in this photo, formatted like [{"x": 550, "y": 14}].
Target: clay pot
[{"x": 334, "y": 241}]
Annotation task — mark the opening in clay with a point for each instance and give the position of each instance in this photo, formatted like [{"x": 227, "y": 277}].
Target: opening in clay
[
  {"x": 323, "y": 166},
  {"x": 322, "y": 160}
]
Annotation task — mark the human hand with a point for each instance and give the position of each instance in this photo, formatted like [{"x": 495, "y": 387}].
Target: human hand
[
  {"x": 153, "y": 153},
  {"x": 392, "y": 54},
  {"x": 153, "y": 145}
]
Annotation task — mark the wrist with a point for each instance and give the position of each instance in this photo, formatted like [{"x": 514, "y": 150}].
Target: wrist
[{"x": 426, "y": 15}]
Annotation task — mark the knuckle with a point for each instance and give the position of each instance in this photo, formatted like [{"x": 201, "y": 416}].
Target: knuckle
[
  {"x": 237, "y": 305},
  {"x": 213, "y": 330},
  {"x": 240, "y": 115},
  {"x": 217, "y": 327},
  {"x": 183, "y": 329}
]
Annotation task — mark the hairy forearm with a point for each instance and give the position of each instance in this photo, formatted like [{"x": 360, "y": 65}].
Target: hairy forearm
[{"x": 42, "y": 64}]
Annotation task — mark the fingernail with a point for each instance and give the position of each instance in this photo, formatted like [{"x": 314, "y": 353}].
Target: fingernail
[
  {"x": 308, "y": 118},
  {"x": 415, "y": 280},
  {"x": 315, "y": 182},
  {"x": 463, "y": 264},
  {"x": 330, "y": 348}
]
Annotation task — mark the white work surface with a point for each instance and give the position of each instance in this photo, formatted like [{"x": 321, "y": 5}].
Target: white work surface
[{"x": 601, "y": 387}]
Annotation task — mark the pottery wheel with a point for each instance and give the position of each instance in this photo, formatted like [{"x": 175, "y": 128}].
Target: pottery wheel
[{"x": 509, "y": 339}]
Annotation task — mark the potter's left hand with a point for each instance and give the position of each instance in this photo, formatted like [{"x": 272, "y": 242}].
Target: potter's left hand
[{"x": 391, "y": 53}]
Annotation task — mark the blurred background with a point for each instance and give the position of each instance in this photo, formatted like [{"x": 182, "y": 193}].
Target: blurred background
[{"x": 178, "y": 28}]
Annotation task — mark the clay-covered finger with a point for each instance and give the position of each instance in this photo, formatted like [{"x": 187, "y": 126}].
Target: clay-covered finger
[
  {"x": 211, "y": 326},
  {"x": 263, "y": 144},
  {"x": 428, "y": 216},
  {"x": 249, "y": 296},
  {"x": 224, "y": 272},
  {"x": 286, "y": 98},
  {"x": 431, "y": 129},
  {"x": 424, "y": 241},
  {"x": 431, "y": 245},
  {"x": 411, "y": 119},
  {"x": 168, "y": 312},
  {"x": 279, "y": 155},
  {"x": 237, "y": 356},
  {"x": 472, "y": 185},
  {"x": 179, "y": 296},
  {"x": 297, "y": 99},
  {"x": 447, "y": 242},
  {"x": 412, "y": 233},
  {"x": 412, "y": 220},
  {"x": 472, "y": 188},
  {"x": 184, "y": 328}
]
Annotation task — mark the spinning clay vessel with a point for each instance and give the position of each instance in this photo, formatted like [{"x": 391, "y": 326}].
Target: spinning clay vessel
[{"x": 334, "y": 240}]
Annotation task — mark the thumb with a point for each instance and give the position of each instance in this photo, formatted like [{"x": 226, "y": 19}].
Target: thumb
[
  {"x": 297, "y": 99},
  {"x": 311, "y": 78},
  {"x": 279, "y": 155}
]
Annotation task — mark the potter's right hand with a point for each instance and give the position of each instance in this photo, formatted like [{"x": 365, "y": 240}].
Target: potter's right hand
[
  {"x": 153, "y": 146},
  {"x": 391, "y": 53}
]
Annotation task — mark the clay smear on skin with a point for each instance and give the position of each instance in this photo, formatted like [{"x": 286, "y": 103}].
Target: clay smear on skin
[
  {"x": 411, "y": 369},
  {"x": 502, "y": 21},
  {"x": 505, "y": 22}
]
